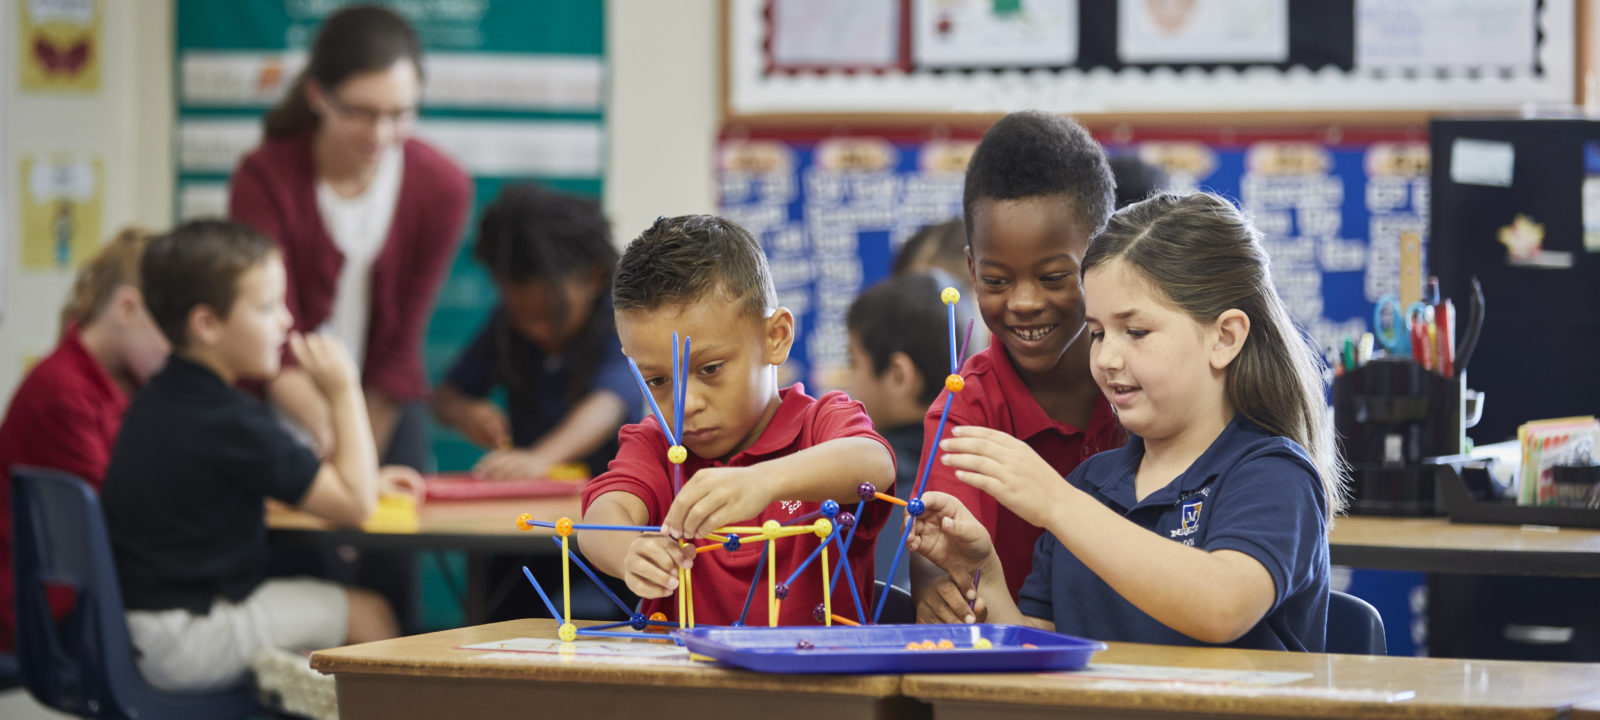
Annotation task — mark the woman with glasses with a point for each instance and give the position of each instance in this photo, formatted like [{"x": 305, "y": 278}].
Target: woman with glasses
[{"x": 367, "y": 217}]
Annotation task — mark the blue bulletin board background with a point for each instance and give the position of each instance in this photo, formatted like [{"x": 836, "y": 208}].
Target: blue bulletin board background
[{"x": 831, "y": 209}]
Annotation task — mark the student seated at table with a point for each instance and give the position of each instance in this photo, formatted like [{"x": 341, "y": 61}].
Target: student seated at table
[
  {"x": 551, "y": 341},
  {"x": 1037, "y": 189},
  {"x": 66, "y": 412},
  {"x": 755, "y": 452},
  {"x": 196, "y": 458},
  {"x": 899, "y": 359},
  {"x": 1211, "y": 525}
]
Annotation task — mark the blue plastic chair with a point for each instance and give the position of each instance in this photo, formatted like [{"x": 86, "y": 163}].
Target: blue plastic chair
[
  {"x": 1354, "y": 626},
  {"x": 84, "y": 665}
]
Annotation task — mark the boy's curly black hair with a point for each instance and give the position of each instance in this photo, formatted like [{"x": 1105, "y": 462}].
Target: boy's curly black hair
[{"x": 1036, "y": 154}]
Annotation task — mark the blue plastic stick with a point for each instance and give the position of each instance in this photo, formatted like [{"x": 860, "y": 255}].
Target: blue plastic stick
[
  {"x": 585, "y": 568},
  {"x": 955, "y": 365},
  {"x": 644, "y": 388},
  {"x": 893, "y": 568},
  {"x": 933, "y": 452},
  {"x": 855, "y": 593},
  {"x": 966, "y": 341},
  {"x": 850, "y": 536},
  {"x": 628, "y": 635},
  {"x": 761, "y": 564},
  {"x": 608, "y": 626},
  {"x": 583, "y": 526},
  {"x": 802, "y": 518},
  {"x": 811, "y": 557},
  {"x": 546, "y": 598}
]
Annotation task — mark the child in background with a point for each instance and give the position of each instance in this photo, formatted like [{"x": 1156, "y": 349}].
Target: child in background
[
  {"x": 899, "y": 358},
  {"x": 1211, "y": 526},
  {"x": 1037, "y": 188},
  {"x": 66, "y": 412},
  {"x": 756, "y": 452},
  {"x": 943, "y": 247},
  {"x": 196, "y": 458},
  {"x": 551, "y": 341}
]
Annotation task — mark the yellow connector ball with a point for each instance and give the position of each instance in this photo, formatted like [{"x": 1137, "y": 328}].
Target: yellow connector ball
[
  {"x": 564, "y": 527},
  {"x": 982, "y": 644},
  {"x": 523, "y": 522},
  {"x": 950, "y": 296},
  {"x": 823, "y": 527},
  {"x": 769, "y": 529},
  {"x": 677, "y": 454},
  {"x": 568, "y": 632},
  {"x": 954, "y": 383}
]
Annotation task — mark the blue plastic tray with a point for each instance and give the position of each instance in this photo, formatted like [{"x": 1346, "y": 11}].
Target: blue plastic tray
[{"x": 882, "y": 648}]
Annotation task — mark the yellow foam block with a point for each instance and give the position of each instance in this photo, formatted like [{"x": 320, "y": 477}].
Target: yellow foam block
[{"x": 394, "y": 514}]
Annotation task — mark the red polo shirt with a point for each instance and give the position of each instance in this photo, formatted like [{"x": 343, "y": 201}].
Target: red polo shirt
[
  {"x": 64, "y": 416},
  {"x": 275, "y": 191},
  {"x": 722, "y": 579},
  {"x": 995, "y": 397}
]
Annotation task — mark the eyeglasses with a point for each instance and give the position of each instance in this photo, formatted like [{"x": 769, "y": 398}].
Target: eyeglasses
[{"x": 371, "y": 116}]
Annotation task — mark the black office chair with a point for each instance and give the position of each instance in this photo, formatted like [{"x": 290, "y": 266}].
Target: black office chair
[
  {"x": 1354, "y": 626},
  {"x": 897, "y": 610}
]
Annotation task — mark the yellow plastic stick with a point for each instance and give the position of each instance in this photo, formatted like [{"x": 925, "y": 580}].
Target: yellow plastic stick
[
  {"x": 688, "y": 592},
  {"x": 772, "y": 583},
  {"x": 827, "y": 592},
  {"x": 681, "y": 591},
  {"x": 566, "y": 581}
]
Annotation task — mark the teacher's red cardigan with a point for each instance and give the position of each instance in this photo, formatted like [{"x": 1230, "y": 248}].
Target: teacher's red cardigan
[{"x": 274, "y": 190}]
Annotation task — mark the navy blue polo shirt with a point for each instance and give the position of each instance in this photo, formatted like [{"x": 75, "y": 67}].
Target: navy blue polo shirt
[
  {"x": 1251, "y": 491},
  {"x": 537, "y": 384}
]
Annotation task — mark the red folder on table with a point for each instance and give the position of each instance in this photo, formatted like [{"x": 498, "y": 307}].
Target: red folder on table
[{"x": 465, "y": 486}]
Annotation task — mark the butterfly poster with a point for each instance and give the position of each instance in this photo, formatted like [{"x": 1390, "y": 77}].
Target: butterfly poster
[
  {"x": 61, "y": 200},
  {"x": 60, "y": 43}
]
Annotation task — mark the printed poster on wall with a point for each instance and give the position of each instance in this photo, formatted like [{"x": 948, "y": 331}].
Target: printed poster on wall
[
  {"x": 60, "y": 203},
  {"x": 59, "y": 44}
]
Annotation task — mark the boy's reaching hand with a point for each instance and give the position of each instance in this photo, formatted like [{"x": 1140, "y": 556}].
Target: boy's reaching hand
[
  {"x": 713, "y": 498},
  {"x": 651, "y": 566}
]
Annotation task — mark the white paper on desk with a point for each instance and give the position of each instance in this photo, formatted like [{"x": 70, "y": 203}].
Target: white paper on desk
[
  {"x": 1481, "y": 162},
  {"x": 1115, "y": 671},
  {"x": 533, "y": 658},
  {"x": 585, "y": 647}
]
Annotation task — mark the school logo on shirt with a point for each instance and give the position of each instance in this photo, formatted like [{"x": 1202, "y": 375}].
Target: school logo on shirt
[
  {"x": 1189, "y": 518},
  {"x": 791, "y": 506}
]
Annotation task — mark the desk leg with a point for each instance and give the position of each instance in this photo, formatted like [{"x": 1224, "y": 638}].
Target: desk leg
[{"x": 387, "y": 697}]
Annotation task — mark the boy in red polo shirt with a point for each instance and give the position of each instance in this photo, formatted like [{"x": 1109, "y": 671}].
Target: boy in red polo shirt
[
  {"x": 66, "y": 413},
  {"x": 756, "y": 452},
  {"x": 1038, "y": 187}
]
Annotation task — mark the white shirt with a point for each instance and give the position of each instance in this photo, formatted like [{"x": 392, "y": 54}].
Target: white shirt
[{"x": 358, "y": 226}]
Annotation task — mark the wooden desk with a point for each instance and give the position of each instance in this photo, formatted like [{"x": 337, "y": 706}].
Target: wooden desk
[
  {"x": 427, "y": 676},
  {"x": 1444, "y": 688},
  {"x": 1438, "y": 546},
  {"x": 477, "y": 526}
]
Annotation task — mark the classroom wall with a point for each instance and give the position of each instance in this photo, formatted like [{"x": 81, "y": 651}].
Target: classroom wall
[
  {"x": 662, "y": 122},
  {"x": 126, "y": 123}
]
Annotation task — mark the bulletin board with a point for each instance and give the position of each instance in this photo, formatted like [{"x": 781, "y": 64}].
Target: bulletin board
[
  {"x": 831, "y": 209},
  {"x": 1132, "y": 57},
  {"x": 513, "y": 91}
]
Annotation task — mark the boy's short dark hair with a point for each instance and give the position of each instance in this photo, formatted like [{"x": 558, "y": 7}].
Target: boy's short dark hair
[
  {"x": 904, "y": 314},
  {"x": 531, "y": 232},
  {"x": 944, "y": 245},
  {"x": 681, "y": 259},
  {"x": 1035, "y": 154},
  {"x": 1136, "y": 179},
  {"x": 198, "y": 263}
]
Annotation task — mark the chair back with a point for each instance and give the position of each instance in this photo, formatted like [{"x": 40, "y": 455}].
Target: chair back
[{"x": 1354, "y": 626}]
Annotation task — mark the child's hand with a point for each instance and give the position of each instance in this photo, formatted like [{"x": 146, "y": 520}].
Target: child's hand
[
  {"x": 713, "y": 498},
  {"x": 651, "y": 566},
  {"x": 325, "y": 359},
  {"x": 946, "y": 603},
  {"x": 401, "y": 480},
  {"x": 949, "y": 536},
  {"x": 484, "y": 424},
  {"x": 512, "y": 465},
  {"x": 1006, "y": 468}
]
